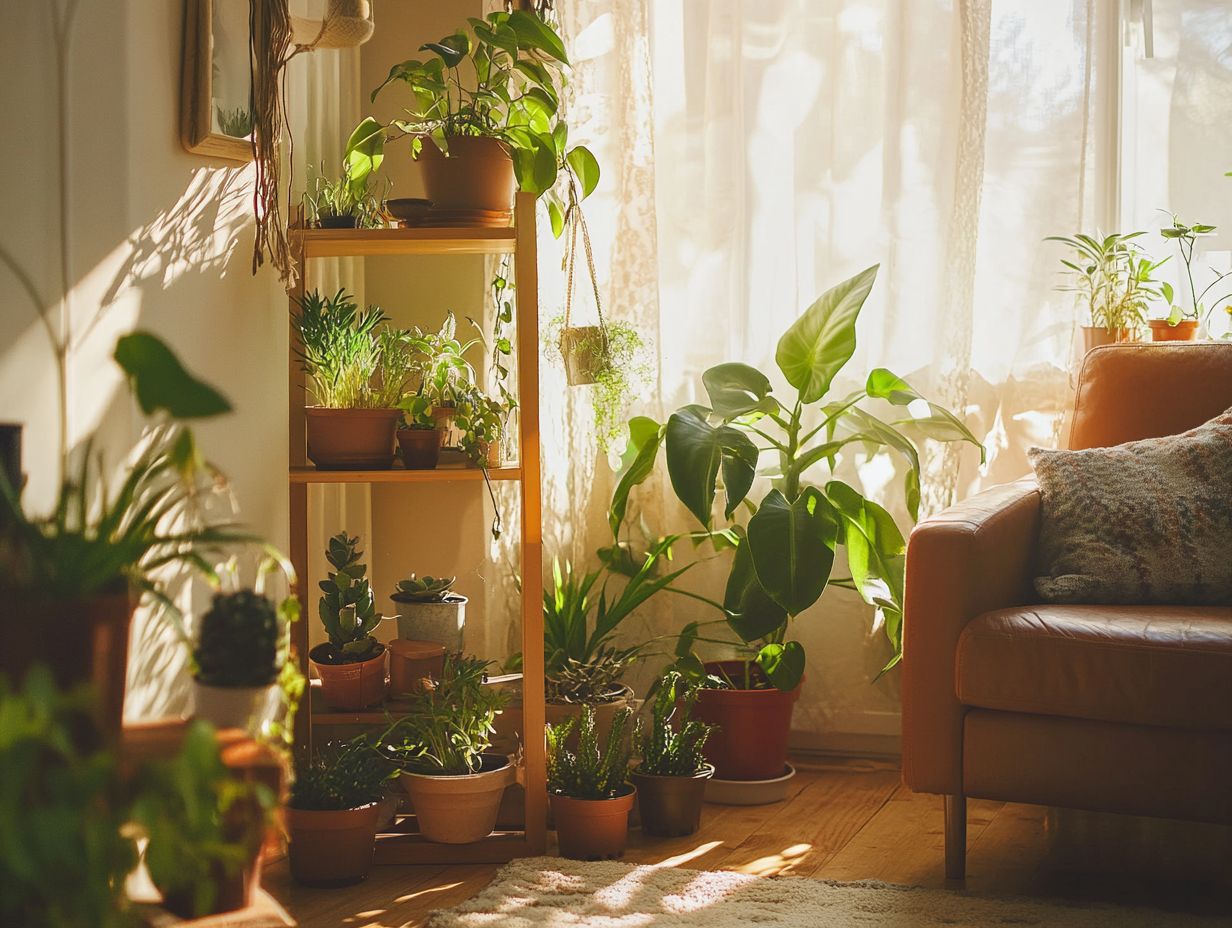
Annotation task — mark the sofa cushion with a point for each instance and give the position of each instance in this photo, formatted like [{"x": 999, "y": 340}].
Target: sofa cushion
[
  {"x": 1141, "y": 665},
  {"x": 1144, "y": 522}
]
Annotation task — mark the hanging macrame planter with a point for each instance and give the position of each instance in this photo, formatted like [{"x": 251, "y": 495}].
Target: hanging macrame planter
[
  {"x": 585, "y": 348},
  {"x": 276, "y": 37}
]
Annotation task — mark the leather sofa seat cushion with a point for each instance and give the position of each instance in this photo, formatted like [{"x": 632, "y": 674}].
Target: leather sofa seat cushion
[{"x": 1139, "y": 665}]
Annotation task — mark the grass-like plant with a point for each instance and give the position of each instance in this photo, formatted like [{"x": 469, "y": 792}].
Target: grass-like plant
[
  {"x": 1112, "y": 276},
  {"x": 672, "y": 748},
  {"x": 235, "y": 121},
  {"x": 449, "y": 725},
  {"x": 341, "y": 775},
  {"x": 593, "y": 771}
]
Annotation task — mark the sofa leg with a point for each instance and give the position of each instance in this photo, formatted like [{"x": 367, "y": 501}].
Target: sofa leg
[{"x": 955, "y": 837}]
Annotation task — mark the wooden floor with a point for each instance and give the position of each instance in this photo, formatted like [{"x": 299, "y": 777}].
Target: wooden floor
[{"x": 851, "y": 819}]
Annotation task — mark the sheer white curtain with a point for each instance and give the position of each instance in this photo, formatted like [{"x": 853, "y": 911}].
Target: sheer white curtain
[{"x": 754, "y": 154}]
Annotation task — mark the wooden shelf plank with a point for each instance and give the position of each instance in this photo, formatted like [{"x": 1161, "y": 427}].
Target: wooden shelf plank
[
  {"x": 401, "y": 475},
  {"x": 341, "y": 243}
]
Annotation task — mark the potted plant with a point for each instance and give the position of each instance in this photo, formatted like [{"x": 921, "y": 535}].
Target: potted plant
[
  {"x": 588, "y": 788},
  {"x": 1115, "y": 279},
  {"x": 357, "y": 369},
  {"x": 237, "y": 660},
  {"x": 486, "y": 117},
  {"x": 441, "y": 747},
  {"x": 333, "y": 811},
  {"x": 204, "y": 828},
  {"x": 342, "y": 203},
  {"x": 419, "y": 438},
  {"x": 671, "y": 777},
  {"x": 1182, "y": 322},
  {"x": 70, "y": 580},
  {"x": 785, "y": 551},
  {"x": 351, "y": 664},
  {"x": 429, "y": 610}
]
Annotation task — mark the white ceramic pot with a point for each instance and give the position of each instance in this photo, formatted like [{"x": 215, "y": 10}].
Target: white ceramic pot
[
  {"x": 442, "y": 623},
  {"x": 247, "y": 707},
  {"x": 459, "y": 809}
]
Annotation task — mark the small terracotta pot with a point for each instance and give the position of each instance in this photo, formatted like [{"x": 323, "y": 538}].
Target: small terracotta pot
[
  {"x": 459, "y": 809},
  {"x": 1093, "y": 336},
  {"x": 671, "y": 806},
  {"x": 332, "y": 848},
  {"x": 231, "y": 891},
  {"x": 751, "y": 741},
  {"x": 421, "y": 448},
  {"x": 477, "y": 175},
  {"x": 352, "y": 686},
  {"x": 493, "y": 454},
  {"x": 244, "y": 707},
  {"x": 581, "y": 347},
  {"x": 1184, "y": 331},
  {"x": 351, "y": 439},
  {"x": 410, "y": 662},
  {"x": 448, "y": 432},
  {"x": 592, "y": 829}
]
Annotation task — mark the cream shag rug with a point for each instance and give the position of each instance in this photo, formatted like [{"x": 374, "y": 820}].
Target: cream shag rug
[{"x": 548, "y": 892}]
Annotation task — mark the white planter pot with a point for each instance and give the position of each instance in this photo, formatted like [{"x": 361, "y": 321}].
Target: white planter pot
[
  {"x": 246, "y": 707},
  {"x": 439, "y": 622}
]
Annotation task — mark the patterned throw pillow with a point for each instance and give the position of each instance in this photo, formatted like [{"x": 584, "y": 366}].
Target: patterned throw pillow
[{"x": 1144, "y": 522}]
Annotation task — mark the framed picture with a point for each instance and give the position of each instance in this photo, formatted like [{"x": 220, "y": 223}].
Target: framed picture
[{"x": 215, "y": 101}]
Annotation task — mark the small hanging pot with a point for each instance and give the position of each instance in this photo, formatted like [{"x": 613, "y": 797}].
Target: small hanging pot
[{"x": 584, "y": 348}]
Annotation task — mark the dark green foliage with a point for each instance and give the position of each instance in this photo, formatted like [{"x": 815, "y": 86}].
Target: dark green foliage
[
  {"x": 423, "y": 589},
  {"x": 348, "y": 609},
  {"x": 589, "y": 773},
  {"x": 342, "y": 775},
  {"x": 673, "y": 750},
  {"x": 238, "y": 641}
]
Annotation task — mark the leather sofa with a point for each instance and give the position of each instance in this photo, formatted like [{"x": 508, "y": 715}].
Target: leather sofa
[{"x": 1107, "y": 708}]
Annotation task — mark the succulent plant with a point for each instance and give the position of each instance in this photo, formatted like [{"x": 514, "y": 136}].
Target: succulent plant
[
  {"x": 588, "y": 773},
  {"x": 348, "y": 609},
  {"x": 237, "y": 644},
  {"x": 593, "y": 681},
  {"x": 423, "y": 589},
  {"x": 667, "y": 751}
]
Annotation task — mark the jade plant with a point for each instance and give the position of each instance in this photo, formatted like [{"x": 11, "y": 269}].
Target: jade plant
[
  {"x": 348, "y": 608},
  {"x": 239, "y": 641},
  {"x": 425, "y": 589},
  {"x": 593, "y": 771},
  {"x": 672, "y": 748},
  {"x": 785, "y": 551}
]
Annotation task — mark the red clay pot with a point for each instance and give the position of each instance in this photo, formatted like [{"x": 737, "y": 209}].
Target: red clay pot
[
  {"x": 332, "y": 848},
  {"x": 1093, "y": 336},
  {"x": 477, "y": 175},
  {"x": 751, "y": 741},
  {"x": 351, "y": 439},
  {"x": 1184, "y": 331},
  {"x": 592, "y": 829},
  {"x": 231, "y": 891},
  {"x": 352, "y": 686},
  {"x": 670, "y": 806},
  {"x": 421, "y": 448},
  {"x": 410, "y": 662}
]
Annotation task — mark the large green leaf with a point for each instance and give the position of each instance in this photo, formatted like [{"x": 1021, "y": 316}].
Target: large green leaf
[
  {"x": 736, "y": 389},
  {"x": 751, "y": 613},
  {"x": 875, "y": 547},
  {"x": 641, "y": 452},
  {"x": 365, "y": 150},
  {"x": 695, "y": 451},
  {"x": 451, "y": 49},
  {"x": 160, "y": 381},
  {"x": 783, "y": 664},
  {"x": 792, "y": 547},
  {"x": 533, "y": 32},
  {"x": 586, "y": 166},
  {"x": 822, "y": 340},
  {"x": 874, "y": 431},
  {"x": 934, "y": 421}
]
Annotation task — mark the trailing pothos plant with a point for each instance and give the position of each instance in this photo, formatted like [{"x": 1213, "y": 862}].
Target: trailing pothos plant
[{"x": 784, "y": 554}]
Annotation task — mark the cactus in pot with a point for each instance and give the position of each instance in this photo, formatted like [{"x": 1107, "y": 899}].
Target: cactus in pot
[
  {"x": 588, "y": 787},
  {"x": 430, "y": 610},
  {"x": 236, "y": 661}
]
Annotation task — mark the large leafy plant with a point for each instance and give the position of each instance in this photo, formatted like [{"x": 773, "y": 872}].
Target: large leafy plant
[
  {"x": 348, "y": 608},
  {"x": 1112, "y": 276},
  {"x": 593, "y": 771},
  {"x": 785, "y": 553}
]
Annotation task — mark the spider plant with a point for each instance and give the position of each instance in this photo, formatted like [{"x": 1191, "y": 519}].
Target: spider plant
[{"x": 1113, "y": 277}]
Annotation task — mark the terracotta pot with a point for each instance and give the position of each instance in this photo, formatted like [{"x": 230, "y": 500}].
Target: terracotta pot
[
  {"x": 493, "y": 455},
  {"x": 243, "y": 707},
  {"x": 581, "y": 347},
  {"x": 592, "y": 829},
  {"x": 442, "y": 623},
  {"x": 79, "y": 640},
  {"x": 231, "y": 891},
  {"x": 351, "y": 686},
  {"x": 1184, "y": 331},
  {"x": 351, "y": 439},
  {"x": 332, "y": 848},
  {"x": 421, "y": 448},
  {"x": 671, "y": 806},
  {"x": 410, "y": 662},
  {"x": 459, "y": 809},
  {"x": 448, "y": 432},
  {"x": 1093, "y": 336},
  {"x": 751, "y": 742},
  {"x": 605, "y": 712},
  {"x": 477, "y": 175}
]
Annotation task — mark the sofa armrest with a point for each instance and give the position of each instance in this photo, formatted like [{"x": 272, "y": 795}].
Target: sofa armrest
[{"x": 970, "y": 559}]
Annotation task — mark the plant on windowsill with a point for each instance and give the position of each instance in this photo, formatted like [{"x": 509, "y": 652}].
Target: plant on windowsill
[
  {"x": 419, "y": 437},
  {"x": 785, "y": 552},
  {"x": 588, "y": 786},
  {"x": 1182, "y": 322},
  {"x": 441, "y": 745},
  {"x": 351, "y": 664},
  {"x": 333, "y": 813}
]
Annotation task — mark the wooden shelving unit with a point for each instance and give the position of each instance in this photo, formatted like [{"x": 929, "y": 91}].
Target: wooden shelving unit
[{"x": 403, "y": 845}]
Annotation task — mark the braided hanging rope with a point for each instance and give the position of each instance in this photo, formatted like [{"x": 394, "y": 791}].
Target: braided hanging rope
[{"x": 576, "y": 219}]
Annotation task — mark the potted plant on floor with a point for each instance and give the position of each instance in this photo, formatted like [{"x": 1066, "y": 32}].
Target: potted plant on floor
[
  {"x": 588, "y": 788},
  {"x": 671, "y": 777},
  {"x": 784, "y": 553},
  {"x": 441, "y": 747},
  {"x": 357, "y": 369},
  {"x": 1182, "y": 322},
  {"x": 351, "y": 664},
  {"x": 1114, "y": 278},
  {"x": 419, "y": 438},
  {"x": 333, "y": 811},
  {"x": 429, "y": 610}
]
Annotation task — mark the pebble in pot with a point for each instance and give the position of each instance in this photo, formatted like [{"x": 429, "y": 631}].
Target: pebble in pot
[{"x": 588, "y": 788}]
